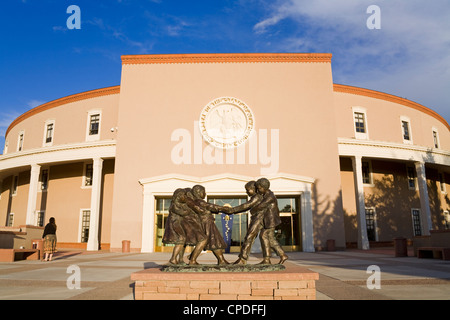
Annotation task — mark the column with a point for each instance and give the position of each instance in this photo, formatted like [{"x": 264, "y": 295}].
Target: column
[
  {"x": 148, "y": 221},
  {"x": 97, "y": 167},
  {"x": 32, "y": 194},
  {"x": 363, "y": 241},
  {"x": 425, "y": 212}
]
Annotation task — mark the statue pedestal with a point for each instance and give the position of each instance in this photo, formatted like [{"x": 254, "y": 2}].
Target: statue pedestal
[{"x": 292, "y": 283}]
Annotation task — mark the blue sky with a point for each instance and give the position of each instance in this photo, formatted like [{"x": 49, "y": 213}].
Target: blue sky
[{"x": 42, "y": 60}]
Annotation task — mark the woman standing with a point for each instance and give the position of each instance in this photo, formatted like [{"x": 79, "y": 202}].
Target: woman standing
[{"x": 49, "y": 237}]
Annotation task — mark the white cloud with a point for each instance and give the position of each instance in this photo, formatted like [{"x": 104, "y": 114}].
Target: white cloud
[{"x": 408, "y": 56}]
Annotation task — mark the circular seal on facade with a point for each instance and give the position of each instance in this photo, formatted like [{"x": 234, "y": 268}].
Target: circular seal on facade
[{"x": 226, "y": 122}]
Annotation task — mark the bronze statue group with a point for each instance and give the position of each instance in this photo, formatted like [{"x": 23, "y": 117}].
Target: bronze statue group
[{"x": 191, "y": 223}]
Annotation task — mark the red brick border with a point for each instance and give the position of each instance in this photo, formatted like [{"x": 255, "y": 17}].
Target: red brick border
[{"x": 294, "y": 283}]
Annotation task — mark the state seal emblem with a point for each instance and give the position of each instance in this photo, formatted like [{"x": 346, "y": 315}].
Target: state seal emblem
[{"x": 226, "y": 122}]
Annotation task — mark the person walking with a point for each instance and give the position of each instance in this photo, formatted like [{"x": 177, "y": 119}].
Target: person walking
[{"x": 49, "y": 237}]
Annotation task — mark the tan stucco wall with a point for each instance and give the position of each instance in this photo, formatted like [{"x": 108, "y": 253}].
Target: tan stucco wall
[
  {"x": 383, "y": 121},
  {"x": 71, "y": 122},
  {"x": 157, "y": 99}
]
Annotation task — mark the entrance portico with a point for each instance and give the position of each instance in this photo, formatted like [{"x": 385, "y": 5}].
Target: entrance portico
[{"x": 225, "y": 185}]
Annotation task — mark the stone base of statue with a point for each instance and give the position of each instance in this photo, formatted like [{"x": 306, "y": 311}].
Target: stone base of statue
[{"x": 231, "y": 282}]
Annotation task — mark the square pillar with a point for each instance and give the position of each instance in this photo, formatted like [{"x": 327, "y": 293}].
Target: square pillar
[
  {"x": 93, "y": 243},
  {"x": 32, "y": 193},
  {"x": 363, "y": 240},
  {"x": 425, "y": 211}
]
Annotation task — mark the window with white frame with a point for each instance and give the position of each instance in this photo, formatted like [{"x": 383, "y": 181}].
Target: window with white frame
[
  {"x": 446, "y": 220},
  {"x": 435, "y": 138},
  {"x": 15, "y": 185},
  {"x": 412, "y": 179},
  {"x": 88, "y": 175},
  {"x": 417, "y": 226},
  {"x": 85, "y": 220},
  {"x": 44, "y": 180},
  {"x": 442, "y": 182},
  {"x": 10, "y": 220},
  {"x": 360, "y": 123},
  {"x": 93, "y": 125},
  {"x": 20, "y": 141},
  {"x": 49, "y": 132},
  {"x": 406, "y": 130},
  {"x": 371, "y": 224},
  {"x": 40, "y": 218},
  {"x": 367, "y": 172}
]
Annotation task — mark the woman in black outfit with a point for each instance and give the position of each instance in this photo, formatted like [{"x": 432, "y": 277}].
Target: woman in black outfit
[{"x": 49, "y": 237}]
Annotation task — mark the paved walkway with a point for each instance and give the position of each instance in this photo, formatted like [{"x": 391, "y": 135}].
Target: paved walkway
[{"x": 343, "y": 275}]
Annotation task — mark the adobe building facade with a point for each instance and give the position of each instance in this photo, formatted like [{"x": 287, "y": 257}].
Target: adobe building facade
[{"x": 353, "y": 165}]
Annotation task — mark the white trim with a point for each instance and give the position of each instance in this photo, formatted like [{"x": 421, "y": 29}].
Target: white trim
[
  {"x": 388, "y": 150},
  {"x": 408, "y": 120},
  {"x": 360, "y": 135},
  {"x": 68, "y": 152},
  {"x": 93, "y": 137},
  {"x": 226, "y": 184},
  {"x": 44, "y": 139}
]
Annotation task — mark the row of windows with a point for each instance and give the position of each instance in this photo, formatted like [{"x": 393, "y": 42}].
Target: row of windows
[
  {"x": 371, "y": 223},
  {"x": 92, "y": 134},
  {"x": 44, "y": 177},
  {"x": 367, "y": 175},
  {"x": 85, "y": 218},
  {"x": 362, "y": 132}
]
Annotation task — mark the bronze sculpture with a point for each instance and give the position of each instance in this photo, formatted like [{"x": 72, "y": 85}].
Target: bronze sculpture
[{"x": 191, "y": 223}]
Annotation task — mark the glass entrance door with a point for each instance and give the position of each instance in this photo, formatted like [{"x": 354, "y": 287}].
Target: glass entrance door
[
  {"x": 239, "y": 224},
  {"x": 288, "y": 232}
]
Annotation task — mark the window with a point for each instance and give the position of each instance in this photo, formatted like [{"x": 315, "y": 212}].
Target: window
[
  {"x": 162, "y": 212},
  {"x": 20, "y": 141},
  {"x": 405, "y": 126},
  {"x": 435, "y": 138},
  {"x": 49, "y": 133},
  {"x": 44, "y": 180},
  {"x": 411, "y": 174},
  {"x": 446, "y": 220},
  {"x": 15, "y": 185},
  {"x": 442, "y": 183},
  {"x": 94, "y": 124},
  {"x": 10, "y": 220},
  {"x": 417, "y": 229},
  {"x": 360, "y": 123},
  {"x": 85, "y": 222},
  {"x": 371, "y": 224},
  {"x": 366, "y": 172},
  {"x": 40, "y": 216},
  {"x": 406, "y": 130},
  {"x": 88, "y": 175}
]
